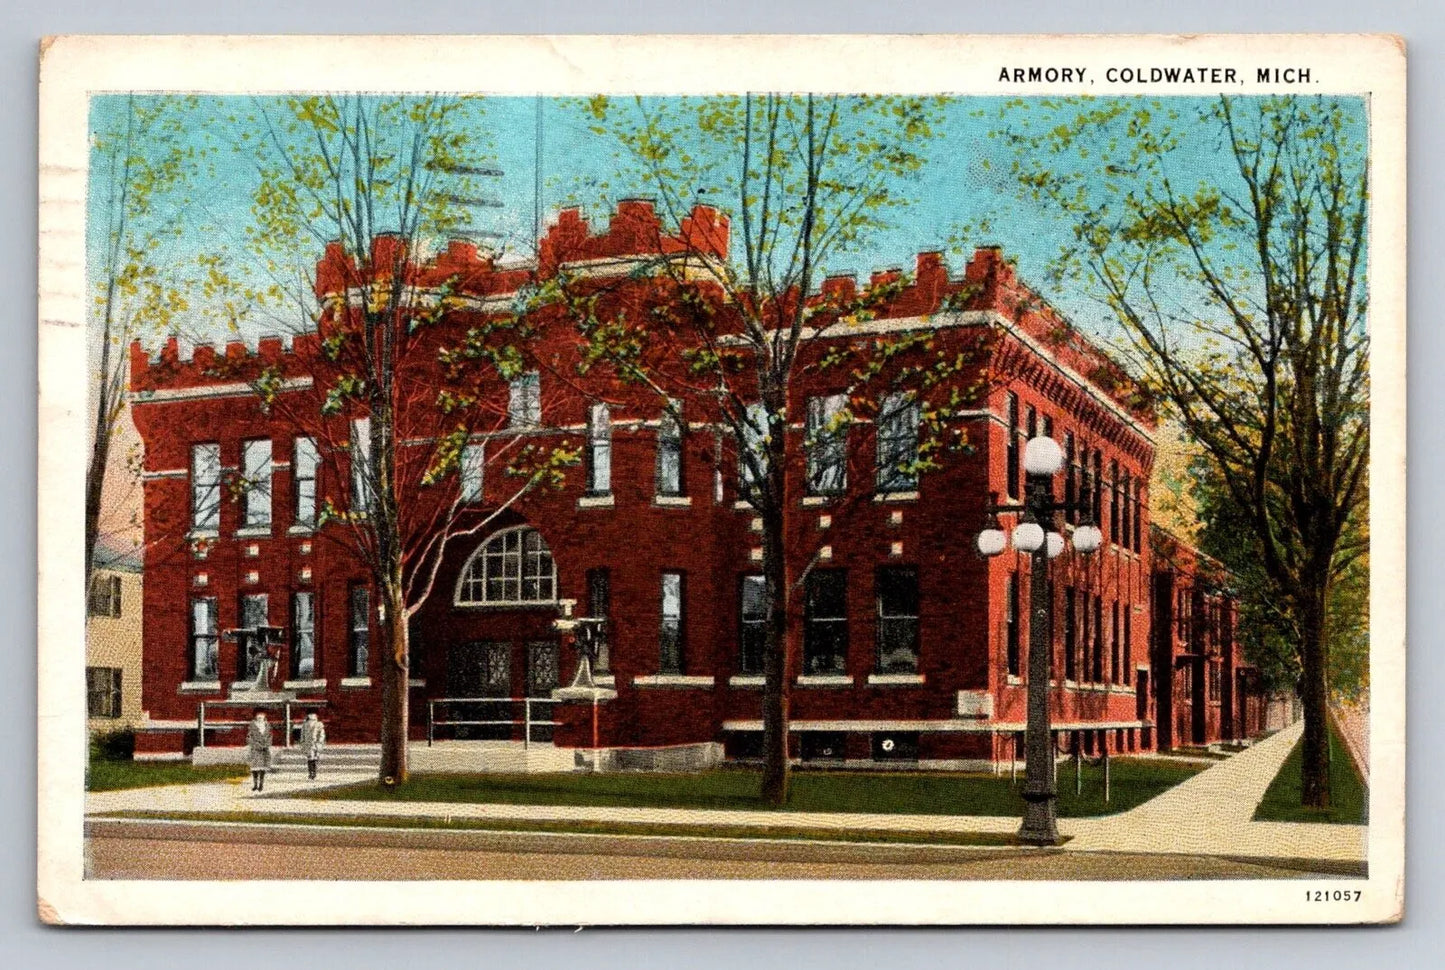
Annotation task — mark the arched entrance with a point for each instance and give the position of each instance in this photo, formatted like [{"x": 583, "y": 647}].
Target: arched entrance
[{"x": 502, "y": 647}]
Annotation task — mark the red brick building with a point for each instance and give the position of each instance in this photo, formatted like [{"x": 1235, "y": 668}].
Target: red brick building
[{"x": 907, "y": 645}]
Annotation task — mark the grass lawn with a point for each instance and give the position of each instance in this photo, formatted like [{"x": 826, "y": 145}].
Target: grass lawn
[
  {"x": 980, "y": 839},
  {"x": 1132, "y": 781},
  {"x": 105, "y": 774},
  {"x": 1348, "y": 794}
]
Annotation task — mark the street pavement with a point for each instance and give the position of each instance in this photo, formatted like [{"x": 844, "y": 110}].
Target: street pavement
[{"x": 1208, "y": 816}]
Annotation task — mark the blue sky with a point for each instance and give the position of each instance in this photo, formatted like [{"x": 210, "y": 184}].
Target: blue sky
[{"x": 965, "y": 182}]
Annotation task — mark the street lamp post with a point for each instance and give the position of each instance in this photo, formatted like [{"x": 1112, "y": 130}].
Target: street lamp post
[{"x": 1036, "y": 536}]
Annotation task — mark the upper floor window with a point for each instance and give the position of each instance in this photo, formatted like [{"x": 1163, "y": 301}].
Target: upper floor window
[
  {"x": 206, "y": 487},
  {"x": 753, "y": 450},
  {"x": 1071, "y": 478},
  {"x": 599, "y": 450},
  {"x": 1071, "y": 634},
  {"x": 1125, "y": 497},
  {"x": 361, "y": 472},
  {"x": 898, "y": 421},
  {"x": 256, "y": 479},
  {"x": 512, "y": 567},
  {"x": 897, "y": 588},
  {"x": 670, "y": 635},
  {"x": 1138, "y": 516},
  {"x": 1012, "y": 467},
  {"x": 472, "y": 461},
  {"x": 669, "y": 453},
  {"x": 305, "y": 463},
  {"x": 827, "y": 444},
  {"x": 1114, "y": 502},
  {"x": 825, "y": 622},
  {"x": 524, "y": 400},
  {"x": 105, "y": 596},
  {"x": 752, "y": 623}
]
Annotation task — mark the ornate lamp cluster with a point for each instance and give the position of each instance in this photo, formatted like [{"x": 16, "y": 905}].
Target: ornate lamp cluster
[
  {"x": 1035, "y": 535},
  {"x": 1043, "y": 458}
]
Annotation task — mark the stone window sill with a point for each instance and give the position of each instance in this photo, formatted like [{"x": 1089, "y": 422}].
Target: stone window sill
[
  {"x": 825, "y": 680},
  {"x": 356, "y": 682},
  {"x": 672, "y": 501},
  {"x": 673, "y": 680},
  {"x": 200, "y": 687},
  {"x": 896, "y": 497},
  {"x": 596, "y": 502},
  {"x": 303, "y": 685},
  {"x": 605, "y": 680},
  {"x": 747, "y": 680},
  {"x": 813, "y": 501},
  {"x": 254, "y": 532},
  {"x": 895, "y": 680},
  {"x": 415, "y": 682},
  {"x": 301, "y": 530}
]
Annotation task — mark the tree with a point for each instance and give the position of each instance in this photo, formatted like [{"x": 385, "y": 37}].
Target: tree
[
  {"x": 141, "y": 172},
  {"x": 1228, "y": 241},
  {"x": 373, "y": 182},
  {"x": 725, "y": 338}
]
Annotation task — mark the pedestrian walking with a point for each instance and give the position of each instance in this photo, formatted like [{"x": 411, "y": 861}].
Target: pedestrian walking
[
  {"x": 313, "y": 739},
  {"x": 258, "y": 750}
]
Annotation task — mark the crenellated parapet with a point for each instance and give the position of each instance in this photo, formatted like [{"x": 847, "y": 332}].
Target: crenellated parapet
[{"x": 179, "y": 364}]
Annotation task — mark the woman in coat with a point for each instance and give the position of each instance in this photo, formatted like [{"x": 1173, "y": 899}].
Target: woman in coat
[
  {"x": 258, "y": 749},
  {"x": 313, "y": 739}
]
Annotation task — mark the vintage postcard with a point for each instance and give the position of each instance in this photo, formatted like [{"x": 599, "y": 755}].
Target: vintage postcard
[{"x": 737, "y": 480}]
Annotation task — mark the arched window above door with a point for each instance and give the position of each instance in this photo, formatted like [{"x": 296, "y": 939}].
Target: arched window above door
[{"x": 513, "y": 567}]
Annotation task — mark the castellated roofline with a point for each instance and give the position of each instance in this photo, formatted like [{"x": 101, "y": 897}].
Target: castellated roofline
[{"x": 633, "y": 237}]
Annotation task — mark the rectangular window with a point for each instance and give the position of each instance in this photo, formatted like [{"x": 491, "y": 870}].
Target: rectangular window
[
  {"x": 1128, "y": 644},
  {"x": 1098, "y": 487},
  {"x": 825, "y": 622},
  {"x": 1098, "y": 639},
  {"x": 752, "y": 451},
  {"x": 897, "y": 589},
  {"x": 752, "y": 623},
  {"x": 669, "y": 452},
  {"x": 1071, "y": 634},
  {"x": 1114, "y": 502},
  {"x": 670, "y": 640},
  {"x": 206, "y": 487},
  {"x": 599, "y": 606},
  {"x": 472, "y": 461},
  {"x": 204, "y": 639},
  {"x": 1138, "y": 516},
  {"x": 898, "y": 421},
  {"x": 256, "y": 479},
  {"x": 1215, "y": 681},
  {"x": 305, "y": 464},
  {"x": 105, "y": 596},
  {"x": 1071, "y": 478},
  {"x": 1031, "y": 422},
  {"x": 102, "y": 691},
  {"x": 1124, "y": 496},
  {"x": 599, "y": 450},
  {"x": 303, "y": 636},
  {"x": 360, "y": 643},
  {"x": 1086, "y": 637},
  {"x": 1116, "y": 669},
  {"x": 827, "y": 444},
  {"x": 524, "y": 400},
  {"x": 1013, "y": 469},
  {"x": 254, "y": 614},
  {"x": 361, "y": 476},
  {"x": 1011, "y": 623}
]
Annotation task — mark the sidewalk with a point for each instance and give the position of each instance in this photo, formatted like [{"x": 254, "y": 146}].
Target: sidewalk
[{"x": 1210, "y": 814}]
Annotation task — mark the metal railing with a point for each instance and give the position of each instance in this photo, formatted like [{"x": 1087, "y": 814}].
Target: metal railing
[{"x": 450, "y": 705}]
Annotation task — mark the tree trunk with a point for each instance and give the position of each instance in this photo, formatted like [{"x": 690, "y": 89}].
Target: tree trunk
[
  {"x": 776, "y": 773},
  {"x": 1314, "y": 691},
  {"x": 395, "y": 712},
  {"x": 94, "y": 488}
]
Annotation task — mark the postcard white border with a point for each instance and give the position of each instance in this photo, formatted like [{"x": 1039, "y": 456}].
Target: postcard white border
[{"x": 73, "y": 68}]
